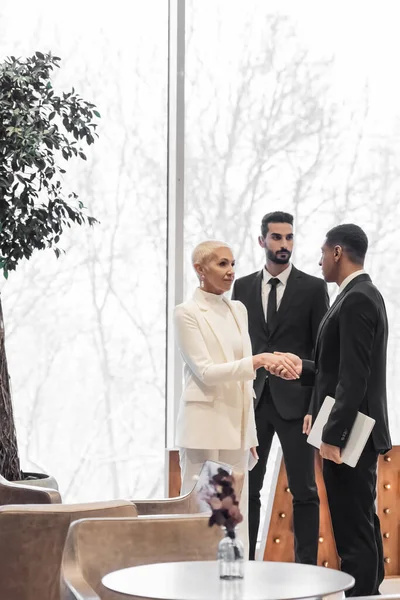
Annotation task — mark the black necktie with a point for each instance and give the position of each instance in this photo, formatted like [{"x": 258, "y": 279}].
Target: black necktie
[{"x": 272, "y": 304}]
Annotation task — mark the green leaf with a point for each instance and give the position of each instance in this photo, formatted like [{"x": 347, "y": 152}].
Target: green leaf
[
  {"x": 96, "y": 112},
  {"x": 36, "y": 210}
]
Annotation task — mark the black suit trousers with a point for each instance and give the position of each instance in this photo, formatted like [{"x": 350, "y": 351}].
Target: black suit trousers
[
  {"x": 351, "y": 495},
  {"x": 299, "y": 461}
]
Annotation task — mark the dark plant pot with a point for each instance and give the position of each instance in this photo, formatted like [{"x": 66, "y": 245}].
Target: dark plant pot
[{"x": 39, "y": 480}]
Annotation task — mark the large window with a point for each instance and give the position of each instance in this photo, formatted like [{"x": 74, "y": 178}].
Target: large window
[
  {"x": 86, "y": 334},
  {"x": 288, "y": 109},
  {"x": 291, "y": 106},
  {"x": 288, "y": 106}
]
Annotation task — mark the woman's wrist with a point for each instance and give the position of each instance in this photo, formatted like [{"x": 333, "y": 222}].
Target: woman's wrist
[{"x": 259, "y": 360}]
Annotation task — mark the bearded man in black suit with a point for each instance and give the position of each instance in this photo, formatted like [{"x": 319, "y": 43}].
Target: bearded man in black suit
[{"x": 285, "y": 307}]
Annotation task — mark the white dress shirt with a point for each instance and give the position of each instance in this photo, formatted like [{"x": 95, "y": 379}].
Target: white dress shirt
[
  {"x": 346, "y": 281},
  {"x": 280, "y": 288}
]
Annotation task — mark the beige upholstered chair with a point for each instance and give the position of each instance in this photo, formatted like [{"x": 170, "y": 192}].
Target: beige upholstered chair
[
  {"x": 19, "y": 493},
  {"x": 188, "y": 504},
  {"x": 95, "y": 547},
  {"x": 32, "y": 540}
]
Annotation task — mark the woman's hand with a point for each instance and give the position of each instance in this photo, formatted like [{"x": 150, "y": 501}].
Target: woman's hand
[
  {"x": 254, "y": 452},
  {"x": 296, "y": 360},
  {"x": 279, "y": 364}
]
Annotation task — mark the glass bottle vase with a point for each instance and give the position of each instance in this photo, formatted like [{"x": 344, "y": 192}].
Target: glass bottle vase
[{"x": 231, "y": 557}]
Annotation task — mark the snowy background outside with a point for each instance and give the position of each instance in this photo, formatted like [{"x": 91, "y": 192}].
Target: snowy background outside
[{"x": 289, "y": 105}]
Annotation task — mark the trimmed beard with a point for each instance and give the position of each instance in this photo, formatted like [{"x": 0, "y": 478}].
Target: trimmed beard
[{"x": 272, "y": 256}]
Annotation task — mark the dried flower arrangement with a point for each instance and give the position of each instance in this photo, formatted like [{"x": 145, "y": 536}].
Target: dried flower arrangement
[{"x": 221, "y": 497}]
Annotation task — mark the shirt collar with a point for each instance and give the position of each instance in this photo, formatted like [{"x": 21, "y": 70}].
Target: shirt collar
[
  {"x": 283, "y": 277},
  {"x": 349, "y": 278}
]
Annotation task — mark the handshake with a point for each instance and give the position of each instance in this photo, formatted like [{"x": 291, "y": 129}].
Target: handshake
[{"x": 282, "y": 364}]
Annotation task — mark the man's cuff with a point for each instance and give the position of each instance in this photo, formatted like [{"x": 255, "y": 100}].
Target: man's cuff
[
  {"x": 335, "y": 438},
  {"x": 307, "y": 377}
]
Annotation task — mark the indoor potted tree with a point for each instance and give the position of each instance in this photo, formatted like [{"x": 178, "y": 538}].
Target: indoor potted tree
[{"x": 39, "y": 132}]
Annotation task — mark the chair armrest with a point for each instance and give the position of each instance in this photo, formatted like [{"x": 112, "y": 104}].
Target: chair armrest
[
  {"x": 17, "y": 493},
  {"x": 74, "y": 586},
  {"x": 188, "y": 504}
]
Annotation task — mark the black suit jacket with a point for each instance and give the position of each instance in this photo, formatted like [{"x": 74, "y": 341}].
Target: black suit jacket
[
  {"x": 304, "y": 303},
  {"x": 350, "y": 363}
]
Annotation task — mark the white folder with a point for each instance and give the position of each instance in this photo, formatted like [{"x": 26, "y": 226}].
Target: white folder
[{"x": 357, "y": 439}]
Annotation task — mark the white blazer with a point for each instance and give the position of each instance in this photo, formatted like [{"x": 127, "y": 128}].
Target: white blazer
[{"x": 216, "y": 408}]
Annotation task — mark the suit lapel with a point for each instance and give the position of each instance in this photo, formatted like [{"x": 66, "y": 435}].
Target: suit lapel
[
  {"x": 324, "y": 320},
  {"x": 256, "y": 293},
  {"x": 215, "y": 324},
  {"x": 338, "y": 300},
  {"x": 244, "y": 334}
]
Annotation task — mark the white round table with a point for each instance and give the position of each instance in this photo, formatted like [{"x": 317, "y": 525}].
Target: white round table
[{"x": 200, "y": 581}]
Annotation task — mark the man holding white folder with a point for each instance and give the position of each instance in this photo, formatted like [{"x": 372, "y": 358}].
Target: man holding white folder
[{"x": 350, "y": 367}]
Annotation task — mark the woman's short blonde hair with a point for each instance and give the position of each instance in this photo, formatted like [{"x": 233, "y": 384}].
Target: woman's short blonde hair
[{"x": 205, "y": 250}]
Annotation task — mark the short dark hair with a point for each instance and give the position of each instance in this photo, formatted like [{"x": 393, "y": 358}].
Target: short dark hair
[
  {"x": 275, "y": 217},
  {"x": 352, "y": 239}
]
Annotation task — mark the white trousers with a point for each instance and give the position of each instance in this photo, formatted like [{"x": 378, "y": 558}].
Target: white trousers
[{"x": 191, "y": 462}]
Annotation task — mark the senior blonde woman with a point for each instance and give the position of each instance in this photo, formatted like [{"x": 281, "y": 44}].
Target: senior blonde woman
[{"x": 216, "y": 414}]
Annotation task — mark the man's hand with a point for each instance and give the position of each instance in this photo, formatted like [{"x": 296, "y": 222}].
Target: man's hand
[
  {"x": 277, "y": 365},
  {"x": 254, "y": 452},
  {"x": 294, "y": 359},
  {"x": 307, "y": 424},
  {"x": 330, "y": 453}
]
